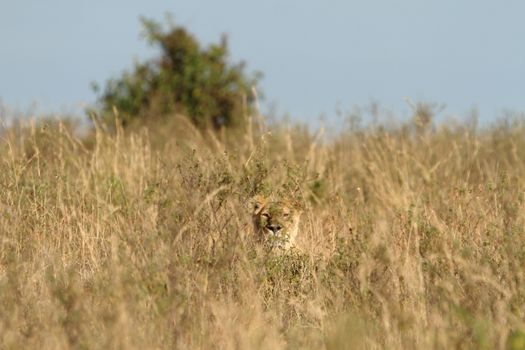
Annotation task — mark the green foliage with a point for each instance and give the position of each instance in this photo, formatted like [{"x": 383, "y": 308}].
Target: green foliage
[
  {"x": 516, "y": 340},
  {"x": 198, "y": 82}
]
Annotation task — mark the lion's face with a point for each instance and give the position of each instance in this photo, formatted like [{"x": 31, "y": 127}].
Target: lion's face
[{"x": 276, "y": 222}]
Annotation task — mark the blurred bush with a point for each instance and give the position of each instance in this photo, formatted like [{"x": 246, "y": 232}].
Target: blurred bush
[{"x": 198, "y": 82}]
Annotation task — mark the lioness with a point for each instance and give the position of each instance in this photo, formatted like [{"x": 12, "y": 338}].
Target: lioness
[{"x": 276, "y": 222}]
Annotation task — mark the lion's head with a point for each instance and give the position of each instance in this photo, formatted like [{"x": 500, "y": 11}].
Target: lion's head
[{"x": 276, "y": 222}]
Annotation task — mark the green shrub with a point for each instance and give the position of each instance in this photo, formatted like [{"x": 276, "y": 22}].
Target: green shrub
[{"x": 199, "y": 82}]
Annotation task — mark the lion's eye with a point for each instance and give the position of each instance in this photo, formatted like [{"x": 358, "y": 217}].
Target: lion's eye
[
  {"x": 286, "y": 215},
  {"x": 265, "y": 215}
]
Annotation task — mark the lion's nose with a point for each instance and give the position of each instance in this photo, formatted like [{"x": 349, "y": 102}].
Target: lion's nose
[{"x": 274, "y": 228}]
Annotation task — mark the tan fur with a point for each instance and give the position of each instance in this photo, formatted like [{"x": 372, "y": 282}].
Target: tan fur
[{"x": 276, "y": 222}]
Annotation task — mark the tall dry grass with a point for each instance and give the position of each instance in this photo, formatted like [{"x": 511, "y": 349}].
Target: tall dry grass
[{"x": 411, "y": 238}]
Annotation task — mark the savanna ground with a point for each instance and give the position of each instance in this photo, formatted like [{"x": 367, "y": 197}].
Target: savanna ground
[{"x": 413, "y": 237}]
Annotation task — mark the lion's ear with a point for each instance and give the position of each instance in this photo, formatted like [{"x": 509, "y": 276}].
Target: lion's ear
[
  {"x": 258, "y": 203},
  {"x": 297, "y": 204}
]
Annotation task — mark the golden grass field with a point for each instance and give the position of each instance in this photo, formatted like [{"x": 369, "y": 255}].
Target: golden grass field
[{"x": 413, "y": 237}]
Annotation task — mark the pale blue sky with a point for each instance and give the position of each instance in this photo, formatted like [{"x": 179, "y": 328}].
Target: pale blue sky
[{"x": 316, "y": 56}]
